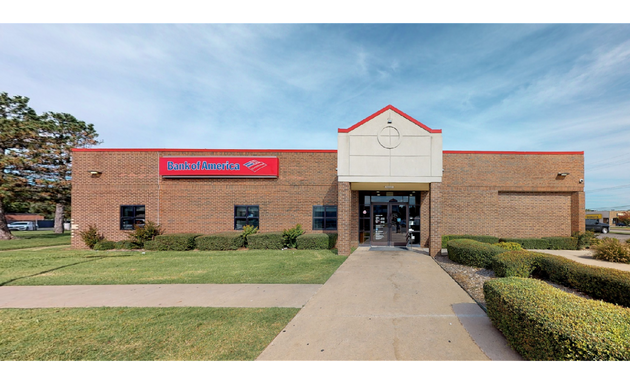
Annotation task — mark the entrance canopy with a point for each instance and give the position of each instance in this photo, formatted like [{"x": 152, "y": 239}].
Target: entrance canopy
[{"x": 389, "y": 147}]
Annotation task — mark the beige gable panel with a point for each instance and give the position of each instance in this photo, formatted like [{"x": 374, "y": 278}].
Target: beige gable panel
[{"x": 389, "y": 147}]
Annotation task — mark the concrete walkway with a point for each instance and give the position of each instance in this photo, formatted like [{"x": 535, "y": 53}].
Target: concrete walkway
[
  {"x": 167, "y": 295},
  {"x": 390, "y": 306}
]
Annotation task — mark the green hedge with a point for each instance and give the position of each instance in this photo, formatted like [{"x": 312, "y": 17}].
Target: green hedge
[
  {"x": 219, "y": 242},
  {"x": 528, "y": 243},
  {"x": 332, "y": 239},
  {"x": 104, "y": 245},
  {"x": 562, "y": 242},
  {"x": 471, "y": 252},
  {"x": 313, "y": 241},
  {"x": 516, "y": 263},
  {"x": 544, "y": 323},
  {"x": 544, "y": 243},
  {"x": 176, "y": 242},
  {"x": 481, "y": 239},
  {"x": 606, "y": 284},
  {"x": 270, "y": 240},
  {"x": 126, "y": 244},
  {"x": 150, "y": 245}
]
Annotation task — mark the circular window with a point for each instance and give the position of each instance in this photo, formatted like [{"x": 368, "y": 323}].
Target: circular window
[{"x": 389, "y": 137}]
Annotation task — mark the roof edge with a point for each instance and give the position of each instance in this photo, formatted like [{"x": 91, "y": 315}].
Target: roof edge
[
  {"x": 199, "y": 150},
  {"x": 389, "y": 107},
  {"x": 514, "y": 152}
]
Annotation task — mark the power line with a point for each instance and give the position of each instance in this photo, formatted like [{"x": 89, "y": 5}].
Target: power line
[{"x": 607, "y": 188}]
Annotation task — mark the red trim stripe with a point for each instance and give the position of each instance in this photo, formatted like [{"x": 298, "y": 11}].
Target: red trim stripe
[
  {"x": 201, "y": 150},
  {"x": 342, "y": 130},
  {"x": 512, "y": 153},
  {"x": 307, "y": 151}
]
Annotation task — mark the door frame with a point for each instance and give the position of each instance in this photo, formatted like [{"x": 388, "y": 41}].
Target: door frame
[{"x": 389, "y": 241}]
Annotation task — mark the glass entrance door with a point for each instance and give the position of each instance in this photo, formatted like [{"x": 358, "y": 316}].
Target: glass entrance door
[{"x": 389, "y": 224}]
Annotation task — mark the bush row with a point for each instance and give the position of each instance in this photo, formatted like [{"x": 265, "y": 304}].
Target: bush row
[
  {"x": 473, "y": 253},
  {"x": 606, "y": 284},
  {"x": 527, "y": 243},
  {"x": 224, "y": 242},
  {"x": 544, "y": 323}
]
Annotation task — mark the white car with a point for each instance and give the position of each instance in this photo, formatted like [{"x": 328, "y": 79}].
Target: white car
[{"x": 22, "y": 226}]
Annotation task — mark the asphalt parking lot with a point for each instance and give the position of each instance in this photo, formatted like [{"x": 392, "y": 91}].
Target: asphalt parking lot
[{"x": 621, "y": 237}]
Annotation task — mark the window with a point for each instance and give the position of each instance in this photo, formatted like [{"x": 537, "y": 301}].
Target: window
[
  {"x": 325, "y": 217},
  {"x": 245, "y": 215},
  {"x": 130, "y": 216}
]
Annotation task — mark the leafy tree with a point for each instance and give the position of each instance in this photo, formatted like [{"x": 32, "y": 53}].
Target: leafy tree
[
  {"x": 36, "y": 156},
  {"x": 624, "y": 217}
]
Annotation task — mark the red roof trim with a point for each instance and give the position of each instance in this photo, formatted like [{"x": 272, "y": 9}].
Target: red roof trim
[
  {"x": 342, "y": 130},
  {"x": 199, "y": 150},
  {"x": 513, "y": 153}
]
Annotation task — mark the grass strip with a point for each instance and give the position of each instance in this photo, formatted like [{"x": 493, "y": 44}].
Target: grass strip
[
  {"x": 139, "y": 334},
  {"x": 35, "y": 239},
  {"x": 80, "y": 267}
]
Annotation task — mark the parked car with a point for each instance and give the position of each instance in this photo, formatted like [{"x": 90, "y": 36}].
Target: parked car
[
  {"x": 595, "y": 226},
  {"x": 622, "y": 224},
  {"x": 22, "y": 226}
]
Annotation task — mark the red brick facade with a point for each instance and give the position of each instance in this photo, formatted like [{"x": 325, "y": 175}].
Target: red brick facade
[{"x": 500, "y": 194}]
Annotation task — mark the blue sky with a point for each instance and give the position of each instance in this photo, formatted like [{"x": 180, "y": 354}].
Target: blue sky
[{"x": 522, "y": 87}]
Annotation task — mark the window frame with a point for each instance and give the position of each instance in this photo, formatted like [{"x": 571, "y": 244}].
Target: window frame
[
  {"x": 134, "y": 217},
  {"x": 246, "y": 217},
  {"x": 336, "y": 217}
]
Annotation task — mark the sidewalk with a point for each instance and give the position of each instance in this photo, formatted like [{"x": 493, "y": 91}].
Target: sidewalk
[
  {"x": 154, "y": 295},
  {"x": 585, "y": 257},
  {"x": 390, "y": 306}
]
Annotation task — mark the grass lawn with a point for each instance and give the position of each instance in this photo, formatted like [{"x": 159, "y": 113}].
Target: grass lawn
[
  {"x": 64, "y": 266},
  {"x": 139, "y": 334},
  {"x": 33, "y": 239}
]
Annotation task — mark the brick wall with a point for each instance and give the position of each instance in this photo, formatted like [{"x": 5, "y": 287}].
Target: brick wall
[
  {"x": 197, "y": 205},
  {"x": 512, "y": 195}
]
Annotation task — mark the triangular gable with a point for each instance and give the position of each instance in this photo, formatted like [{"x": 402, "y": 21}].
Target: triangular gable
[{"x": 392, "y": 108}]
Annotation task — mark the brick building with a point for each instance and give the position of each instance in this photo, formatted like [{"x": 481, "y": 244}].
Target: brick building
[{"x": 389, "y": 176}]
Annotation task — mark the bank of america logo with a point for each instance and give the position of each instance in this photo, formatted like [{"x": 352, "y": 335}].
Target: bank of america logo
[{"x": 255, "y": 165}]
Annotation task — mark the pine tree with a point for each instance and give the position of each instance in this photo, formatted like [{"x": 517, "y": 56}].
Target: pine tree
[{"x": 36, "y": 156}]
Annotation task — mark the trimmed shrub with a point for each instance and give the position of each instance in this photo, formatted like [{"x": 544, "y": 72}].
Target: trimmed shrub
[
  {"x": 332, "y": 239},
  {"x": 479, "y": 238},
  {"x": 313, "y": 241},
  {"x": 562, "y": 242},
  {"x": 544, "y": 323},
  {"x": 151, "y": 245},
  {"x": 611, "y": 249},
  {"x": 509, "y": 246},
  {"x": 528, "y": 243},
  {"x": 248, "y": 230},
  {"x": 91, "y": 236},
  {"x": 606, "y": 284},
  {"x": 219, "y": 242},
  {"x": 126, "y": 244},
  {"x": 516, "y": 263},
  {"x": 176, "y": 242},
  {"x": 270, "y": 240},
  {"x": 471, "y": 252},
  {"x": 104, "y": 245},
  {"x": 289, "y": 236}
]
